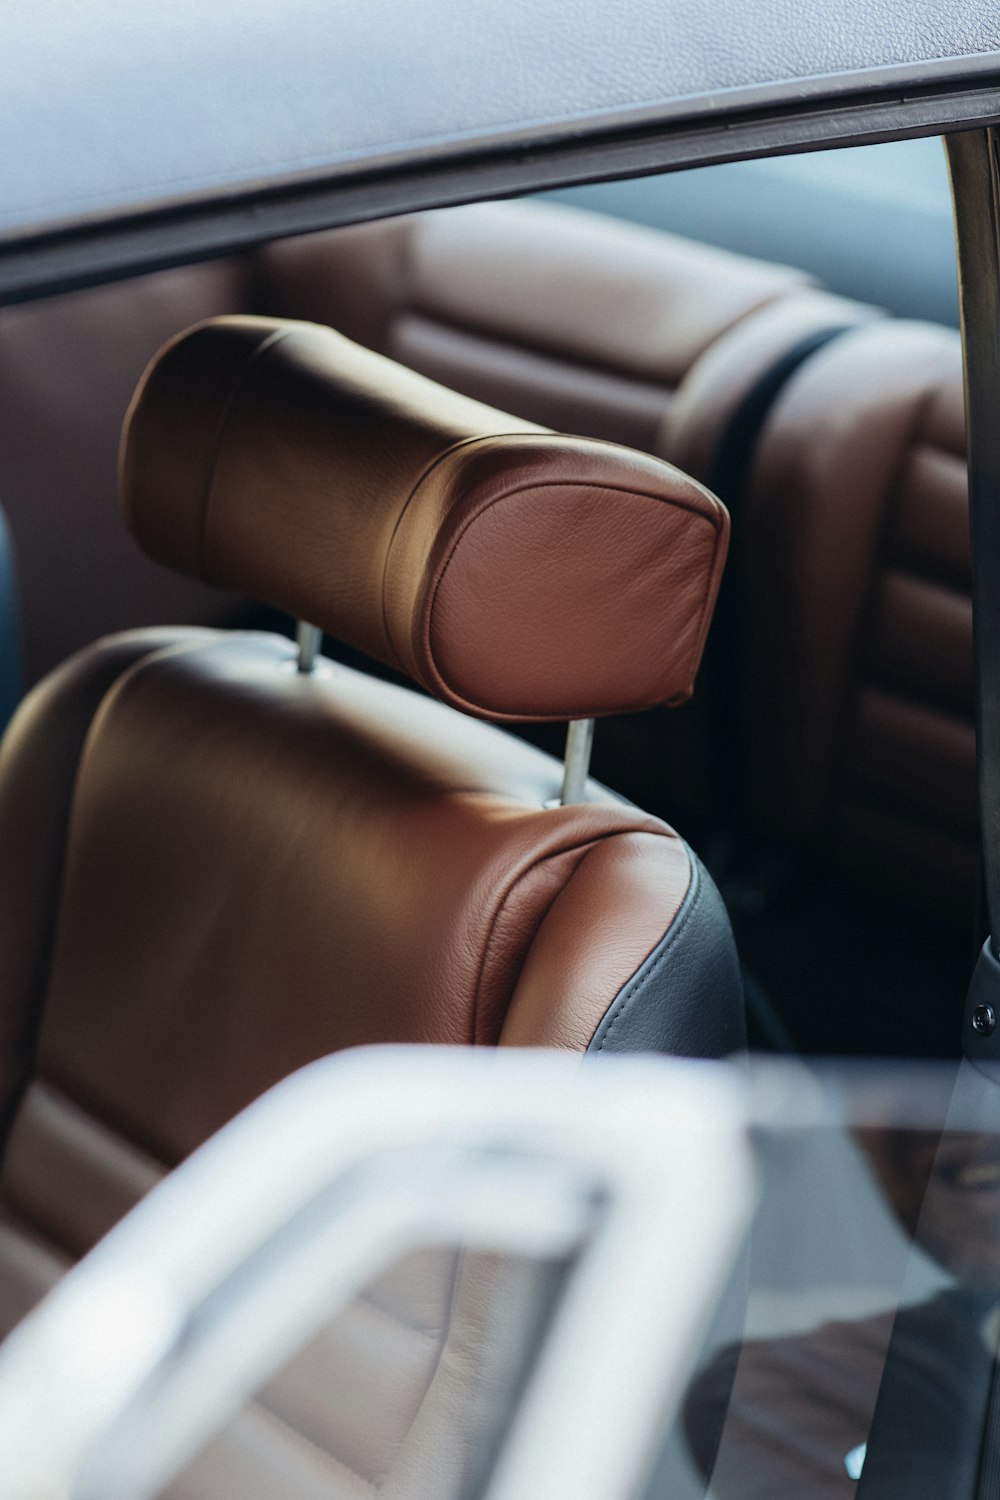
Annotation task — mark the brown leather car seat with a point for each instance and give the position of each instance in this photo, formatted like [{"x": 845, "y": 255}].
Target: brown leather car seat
[{"x": 217, "y": 867}]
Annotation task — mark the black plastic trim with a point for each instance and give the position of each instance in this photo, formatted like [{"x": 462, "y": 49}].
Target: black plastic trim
[
  {"x": 974, "y": 161},
  {"x": 116, "y": 245}
]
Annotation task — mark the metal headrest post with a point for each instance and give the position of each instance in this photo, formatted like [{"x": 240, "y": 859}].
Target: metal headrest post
[
  {"x": 310, "y": 639},
  {"x": 576, "y": 763}
]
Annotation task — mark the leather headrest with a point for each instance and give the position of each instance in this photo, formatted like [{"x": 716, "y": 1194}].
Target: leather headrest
[{"x": 514, "y": 573}]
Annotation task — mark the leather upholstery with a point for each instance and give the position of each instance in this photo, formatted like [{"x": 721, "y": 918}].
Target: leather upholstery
[
  {"x": 857, "y": 672},
  {"x": 38, "y": 764},
  {"x": 386, "y": 889},
  {"x": 256, "y": 867},
  {"x": 479, "y": 298},
  {"x": 512, "y": 572},
  {"x": 217, "y": 868},
  {"x": 67, "y": 369},
  {"x": 694, "y": 425},
  {"x": 567, "y": 318}
]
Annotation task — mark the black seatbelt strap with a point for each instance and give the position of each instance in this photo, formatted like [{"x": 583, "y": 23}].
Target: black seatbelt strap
[{"x": 735, "y": 447}]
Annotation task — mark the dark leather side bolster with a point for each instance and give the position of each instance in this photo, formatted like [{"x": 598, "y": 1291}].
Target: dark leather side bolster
[{"x": 687, "y": 996}]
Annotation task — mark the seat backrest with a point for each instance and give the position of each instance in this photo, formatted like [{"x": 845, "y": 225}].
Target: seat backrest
[
  {"x": 566, "y": 317},
  {"x": 67, "y": 369},
  {"x": 857, "y": 652},
  {"x": 217, "y": 867}
]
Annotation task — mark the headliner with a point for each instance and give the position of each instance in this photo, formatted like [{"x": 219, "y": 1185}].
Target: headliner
[{"x": 133, "y": 139}]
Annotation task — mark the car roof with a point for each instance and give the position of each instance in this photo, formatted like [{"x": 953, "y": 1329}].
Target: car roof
[{"x": 136, "y": 137}]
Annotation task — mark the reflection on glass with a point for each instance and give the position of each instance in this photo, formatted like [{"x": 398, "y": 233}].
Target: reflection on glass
[
  {"x": 870, "y": 1311},
  {"x": 406, "y": 1392}
]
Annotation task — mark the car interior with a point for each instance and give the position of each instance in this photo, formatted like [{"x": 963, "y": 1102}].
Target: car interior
[
  {"x": 825, "y": 766},
  {"x": 482, "y": 451}
]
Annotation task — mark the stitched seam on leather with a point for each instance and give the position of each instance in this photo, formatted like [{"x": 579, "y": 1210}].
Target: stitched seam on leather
[
  {"x": 42, "y": 979},
  {"x": 652, "y": 962},
  {"x": 441, "y": 1338},
  {"x": 257, "y": 1405},
  {"x": 117, "y": 688},
  {"x": 256, "y": 354},
  {"x": 580, "y": 850},
  {"x": 913, "y": 572},
  {"x": 425, "y": 473},
  {"x": 29, "y": 1217},
  {"x": 714, "y": 517},
  {"x": 454, "y": 1276},
  {"x": 913, "y": 575},
  {"x": 543, "y": 355},
  {"x": 15, "y": 1217},
  {"x": 366, "y": 1301}
]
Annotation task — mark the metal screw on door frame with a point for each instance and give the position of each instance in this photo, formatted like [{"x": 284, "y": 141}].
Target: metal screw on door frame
[{"x": 984, "y": 1020}]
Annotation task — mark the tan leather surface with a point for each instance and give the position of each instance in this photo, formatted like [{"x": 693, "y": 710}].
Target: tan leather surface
[
  {"x": 662, "y": 298},
  {"x": 70, "y": 1176},
  {"x": 322, "y": 874},
  {"x": 346, "y": 1413},
  {"x": 921, "y": 640},
  {"x": 38, "y": 760},
  {"x": 858, "y": 660},
  {"x": 585, "y": 399},
  {"x": 260, "y": 868},
  {"x": 562, "y": 981},
  {"x": 513, "y": 573},
  {"x": 542, "y": 276},
  {"x": 732, "y": 365},
  {"x": 827, "y": 470},
  {"x": 914, "y": 758},
  {"x": 574, "y": 355},
  {"x": 67, "y": 369},
  {"x": 932, "y": 529},
  {"x": 28, "y": 1269}
]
